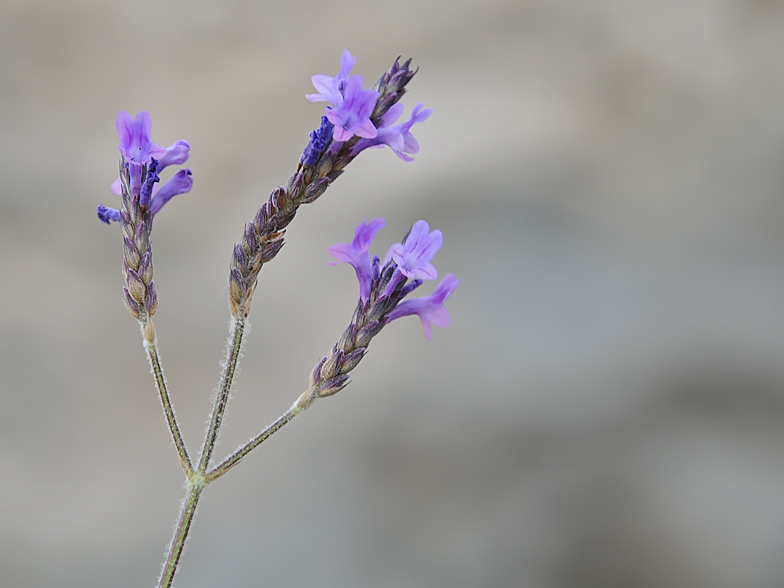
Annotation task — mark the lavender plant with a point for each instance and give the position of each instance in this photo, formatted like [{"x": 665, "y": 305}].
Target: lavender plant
[{"x": 355, "y": 119}]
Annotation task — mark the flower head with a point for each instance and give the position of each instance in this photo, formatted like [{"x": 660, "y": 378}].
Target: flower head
[
  {"x": 383, "y": 289},
  {"x": 140, "y": 153},
  {"x": 430, "y": 309},
  {"x": 378, "y": 306},
  {"x": 356, "y": 254}
]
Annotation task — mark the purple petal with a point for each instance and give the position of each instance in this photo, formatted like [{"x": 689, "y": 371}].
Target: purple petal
[
  {"x": 125, "y": 129},
  {"x": 143, "y": 129},
  {"x": 390, "y": 116},
  {"x": 410, "y": 145},
  {"x": 343, "y": 252},
  {"x": 116, "y": 187},
  {"x": 418, "y": 115},
  {"x": 340, "y": 132},
  {"x": 365, "y": 129},
  {"x": 347, "y": 61},
  {"x": 366, "y": 232},
  {"x": 328, "y": 90},
  {"x": 180, "y": 183}
]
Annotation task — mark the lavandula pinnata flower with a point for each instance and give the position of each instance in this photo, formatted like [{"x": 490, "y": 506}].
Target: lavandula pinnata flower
[
  {"x": 142, "y": 198},
  {"x": 323, "y": 161},
  {"x": 331, "y": 89},
  {"x": 397, "y": 137},
  {"x": 382, "y": 293},
  {"x": 356, "y": 254},
  {"x": 351, "y": 106},
  {"x": 430, "y": 309}
]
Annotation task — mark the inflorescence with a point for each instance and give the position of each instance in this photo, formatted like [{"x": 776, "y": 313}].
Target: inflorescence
[{"x": 355, "y": 119}]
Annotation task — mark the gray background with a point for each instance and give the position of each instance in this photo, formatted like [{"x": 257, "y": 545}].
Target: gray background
[{"x": 607, "y": 408}]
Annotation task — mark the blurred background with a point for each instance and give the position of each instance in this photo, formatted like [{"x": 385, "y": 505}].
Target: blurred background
[{"x": 607, "y": 407}]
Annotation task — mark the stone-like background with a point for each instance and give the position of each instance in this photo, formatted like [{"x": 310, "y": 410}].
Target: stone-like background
[{"x": 607, "y": 408}]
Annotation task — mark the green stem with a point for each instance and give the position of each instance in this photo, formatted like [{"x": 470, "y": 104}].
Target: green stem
[
  {"x": 188, "y": 510},
  {"x": 235, "y": 457},
  {"x": 168, "y": 409},
  {"x": 219, "y": 408}
]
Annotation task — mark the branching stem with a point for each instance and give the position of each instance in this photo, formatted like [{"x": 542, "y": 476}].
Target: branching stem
[{"x": 237, "y": 456}]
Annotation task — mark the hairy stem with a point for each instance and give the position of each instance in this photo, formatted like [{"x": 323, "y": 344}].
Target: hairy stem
[
  {"x": 187, "y": 511},
  {"x": 221, "y": 400},
  {"x": 163, "y": 393},
  {"x": 237, "y": 456}
]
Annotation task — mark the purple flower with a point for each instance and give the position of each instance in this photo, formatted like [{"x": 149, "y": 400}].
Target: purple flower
[
  {"x": 352, "y": 116},
  {"x": 413, "y": 255},
  {"x": 351, "y": 105},
  {"x": 138, "y": 150},
  {"x": 429, "y": 309},
  {"x": 180, "y": 183},
  {"x": 331, "y": 89},
  {"x": 135, "y": 143},
  {"x": 398, "y": 137},
  {"x": 356, "y": 254}
]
